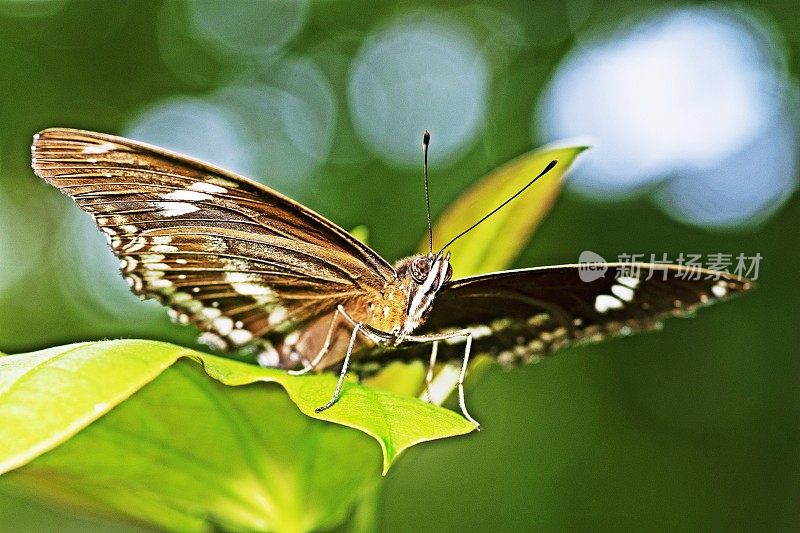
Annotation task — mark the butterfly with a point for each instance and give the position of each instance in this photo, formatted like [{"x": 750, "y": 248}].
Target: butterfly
[{"x": 258, "y": 272}]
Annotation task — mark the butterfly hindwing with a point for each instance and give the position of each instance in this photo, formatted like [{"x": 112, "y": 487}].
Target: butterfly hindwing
[
  {"x": 519, "y": 316},
  {"x": 235, "y": 258}
]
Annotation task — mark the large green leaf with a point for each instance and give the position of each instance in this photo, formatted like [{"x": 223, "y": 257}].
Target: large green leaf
[
  {"x": 495, "y": 243},
  {"x": 130, "y": 429}
]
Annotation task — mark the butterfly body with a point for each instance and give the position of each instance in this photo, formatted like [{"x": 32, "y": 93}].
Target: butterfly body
[
  {"x": 388, "y": 318},
  {"x": 258, "y": 272}
]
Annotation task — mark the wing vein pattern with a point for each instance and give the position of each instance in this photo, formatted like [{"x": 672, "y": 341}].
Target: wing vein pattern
[{"x": 225, "y": 253}]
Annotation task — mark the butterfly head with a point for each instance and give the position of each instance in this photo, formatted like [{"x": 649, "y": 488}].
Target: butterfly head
[{"x": 425, "y": 275}]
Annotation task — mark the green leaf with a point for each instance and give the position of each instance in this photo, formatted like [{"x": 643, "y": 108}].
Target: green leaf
[
  {"x": 497, "y": 242},
  {"x": 130, "y": 429},
  {"x": 400, "y": 377}
]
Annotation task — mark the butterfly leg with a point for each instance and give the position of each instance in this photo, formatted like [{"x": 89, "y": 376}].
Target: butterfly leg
[
  {"x": 431, "y": 365},
  {"x": 467, "y": 334},
  {"x": 307, "y": 367},
  {"x": 461, "y": 401},
  {"x": 346, "y": 362}
]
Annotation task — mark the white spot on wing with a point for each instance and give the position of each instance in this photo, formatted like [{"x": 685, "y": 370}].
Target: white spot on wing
[
  {"x": 160, "y": 283},
  {"x": 212, "y": 340},
  {"x": 239, "y": 277},
  {"x": 174, "y": 209},
  {"x": 277, "y": 316},
  {"x": 186, "y": 195},
  {"x": 628, "y": 281},
  {"x": 151, "y": 258},
  {"x": 135, "y": 245},
  {"x": 623, "y": 293},
  {"x": 208, "y": 187},
  {"x": 164, "y": 248},
  {"x": 98, "y": 148},
  {"x": 604, "y": 302},
  {"x": 240, "y": 336},
  {"x": 269, "y": 357},
  {"x": 292, "y": 338},
  {"x": 211, "y": 312},
  {"x": 251, "y": 289},
  {"x": 719, "y": 290},
  {"x": 181, "y": 298},
  {"x": 223, "y": 325}
]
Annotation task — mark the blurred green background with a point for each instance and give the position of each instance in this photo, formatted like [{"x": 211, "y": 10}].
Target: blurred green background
[{"x": 692, "y": 110}]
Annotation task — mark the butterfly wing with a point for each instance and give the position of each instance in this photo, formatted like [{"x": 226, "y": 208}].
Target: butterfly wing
[
  {"x": 519, "y": 316},
  {"x": 239, "y": 260}
]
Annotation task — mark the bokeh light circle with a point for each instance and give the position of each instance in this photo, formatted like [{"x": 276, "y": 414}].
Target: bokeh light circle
[
  {"x": 288, "y": 124},
  {"x": 418, "y": 73},
  {"x": 277, "y": 132},
  {"x": 744, "y": 189},
  {"x": 21, "y": 245},
  {"x": 100, "y": 288},
  {"x": 197, "y": 128},
  {"x": 246, "y": 26},
  {"x": 682, "y": 97}
]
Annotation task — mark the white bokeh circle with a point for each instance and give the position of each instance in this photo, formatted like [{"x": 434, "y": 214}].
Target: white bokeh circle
[
  {"x": 99, "y": 287},
  {"x": 288, "y": 123},
  {"x": 248, "y": 27},
  {"x": 413, "y": 74},
  {"x": 679, "y": 100},
  {"x": 197, "y": 128}
]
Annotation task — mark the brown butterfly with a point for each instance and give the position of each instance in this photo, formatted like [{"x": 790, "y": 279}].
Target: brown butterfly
[{"x": 255, "y": 270}]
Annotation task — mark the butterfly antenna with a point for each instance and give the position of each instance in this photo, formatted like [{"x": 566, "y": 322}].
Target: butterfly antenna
[
  {"x": 547, "y": 169},
  {"x": 426, "y": 140}
]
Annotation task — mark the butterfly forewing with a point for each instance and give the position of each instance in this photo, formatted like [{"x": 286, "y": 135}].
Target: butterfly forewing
[
  {"x": 521, "y": 315},
  {"x": 237, "y": 259}
]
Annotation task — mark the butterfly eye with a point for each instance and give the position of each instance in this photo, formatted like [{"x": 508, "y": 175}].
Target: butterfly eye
[{"x": 419, "y": 269}]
